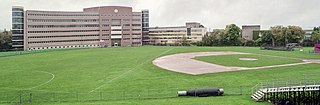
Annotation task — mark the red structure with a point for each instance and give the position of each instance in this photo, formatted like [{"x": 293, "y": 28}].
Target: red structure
[{"x": 317, "y": 48}]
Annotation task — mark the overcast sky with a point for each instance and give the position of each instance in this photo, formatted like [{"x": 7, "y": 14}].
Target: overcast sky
[{"x": 211, "y": 13}]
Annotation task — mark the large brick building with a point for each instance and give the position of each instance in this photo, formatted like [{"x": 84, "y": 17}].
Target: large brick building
[{"x": 104, "y": 26}]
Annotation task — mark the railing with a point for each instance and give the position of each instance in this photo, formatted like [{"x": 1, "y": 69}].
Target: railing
[{"x": 308, "y": 79}]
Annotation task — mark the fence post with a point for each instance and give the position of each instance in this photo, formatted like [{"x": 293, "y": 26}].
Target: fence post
[
  {"x": 147, "y": 93},
  {"x": 77, "y": 96},
  {"x": 100, "y": 96},
  {"x": 123, "y": 95},
  {"x": 20, "y": 98},
  {"x": 240, "y": 90},
  {"x": 30, "y": 97},
  {"x": 54, "y": 96}
]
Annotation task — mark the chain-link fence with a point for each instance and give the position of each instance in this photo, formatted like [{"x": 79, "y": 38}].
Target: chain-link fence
[{"x": 40, "y": 96}]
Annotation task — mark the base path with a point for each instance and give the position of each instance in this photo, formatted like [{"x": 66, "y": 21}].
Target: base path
[{"x": 184, "y": 63}]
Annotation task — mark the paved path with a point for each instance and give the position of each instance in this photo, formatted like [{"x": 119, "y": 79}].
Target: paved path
[{"x": 184, "y": 63}]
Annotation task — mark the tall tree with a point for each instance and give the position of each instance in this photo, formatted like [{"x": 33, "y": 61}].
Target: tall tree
[
  {"x": 5, "y": 41},
  {"x": 316, "y": 34},
  {"x": 277, "y": 34},
  {"x": 295, "y": 34},
  {"x": 232, "y": 34},
  {"x": 266, "y": 37}
]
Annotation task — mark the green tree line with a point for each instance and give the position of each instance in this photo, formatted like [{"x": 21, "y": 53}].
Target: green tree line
[
  {"x": 5, "y": 40},
  {"x": 275, "y": 36}
]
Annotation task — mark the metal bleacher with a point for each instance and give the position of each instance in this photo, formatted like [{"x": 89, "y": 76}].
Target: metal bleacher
[{"x": 261, "y": 90}]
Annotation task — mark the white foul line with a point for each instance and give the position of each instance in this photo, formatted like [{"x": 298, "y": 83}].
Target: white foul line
[
  {"x": 126, "y": 72},
  {"x": 45, "y": 82},
  {"x": 34, "y": 86}
]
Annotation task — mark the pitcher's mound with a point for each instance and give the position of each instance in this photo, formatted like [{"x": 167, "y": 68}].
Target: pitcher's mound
[{"x": 248, "y": 59}]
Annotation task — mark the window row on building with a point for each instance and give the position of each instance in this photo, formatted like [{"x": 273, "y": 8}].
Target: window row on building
[
  {"x": 118, "y": 15},
  {"x": 126, "y": 30},
  {"x": 63, "y": 31},
  {"x": 17, "y": 20},
  {"x": 57, "y": 41},
  {"x": 17, "y": 9},
  {"x": 168, "y": 31},
  {"x": 62, "y": 36},
  {"x": 171, "y": 38},
  {"x": 61, "y": 47},
  {"x": 136, "y": 38},
  {"x": 17, "y": 14},
  {"x": 63, "y": 26},
  {"x": 136, "y": 33},
  {"x": 63, "y": 20},
  {"x": 136, "y": 24},
  {"x": 130, "y": 38},
  {"x": 17, "y": 26},
  {"x": 166, "y": 34},
  {"x": 31, "y": 14}
]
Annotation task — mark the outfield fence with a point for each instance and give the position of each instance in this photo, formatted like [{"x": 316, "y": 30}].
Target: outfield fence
[{"x": 40, "y": 96}]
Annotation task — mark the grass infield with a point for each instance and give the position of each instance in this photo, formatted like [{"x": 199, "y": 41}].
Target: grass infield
[{"x": 234, "y": 60}]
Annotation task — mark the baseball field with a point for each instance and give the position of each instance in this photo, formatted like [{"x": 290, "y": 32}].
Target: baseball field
[{"x": 128, "y": 75}]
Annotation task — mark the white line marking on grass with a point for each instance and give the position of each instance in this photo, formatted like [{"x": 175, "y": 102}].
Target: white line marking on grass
[
  {"x": 132, "y": 69},
  {"x": 273, "y": 66},
  {"x": 34, "y": 86},
  {"x": 42, "y": 83}
]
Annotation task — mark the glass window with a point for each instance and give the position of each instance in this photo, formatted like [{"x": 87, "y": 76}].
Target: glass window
[
  {"x": 146, "y": 19},
  {"x": 17, "y": 9},
  {"x": 116, "y": 22},
  {"x": 105, "y": 19},
  {"x": 145, "y": 15},
  {"x": 17, "y": 31},
  {"x": 17, "y": 43},
  {"x": 17, "y": 20},
  {"x": 17, "y": 37},
  {"x": 17, "y": 26},
  {"x": 145, "y": 11},
  {"x": 17, "y": 13},
  {"x": 145, "y": 24},
  {"x": 136, "y": 19},
  {"x": 136, "y": 24}
]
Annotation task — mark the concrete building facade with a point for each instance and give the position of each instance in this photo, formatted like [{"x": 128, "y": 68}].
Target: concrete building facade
[
  {"x": 247, "y": 31},
  {"x": 105, "y": 26},
  {"x": 192, "y": 32}
]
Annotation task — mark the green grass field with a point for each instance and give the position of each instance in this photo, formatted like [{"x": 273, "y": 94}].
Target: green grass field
[
  {"x": 234, "y": 60},
  {"x": 74, "y": 75}
]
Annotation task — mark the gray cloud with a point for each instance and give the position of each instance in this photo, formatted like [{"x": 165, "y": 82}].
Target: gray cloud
[{"x": 211, "y": 13}]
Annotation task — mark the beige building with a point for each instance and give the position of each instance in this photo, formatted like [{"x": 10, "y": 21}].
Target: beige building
[
  {"x": 105, "y": 26},
  {"x": 192, "y": 32},
  {"x": 247, "y": 31}
]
